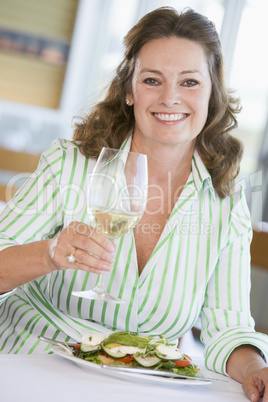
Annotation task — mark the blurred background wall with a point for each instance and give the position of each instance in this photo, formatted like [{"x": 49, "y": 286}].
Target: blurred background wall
[{"x": 57, "y": 56}]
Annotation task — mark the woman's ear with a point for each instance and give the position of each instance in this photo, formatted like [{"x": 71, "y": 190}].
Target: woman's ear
[{"x": 129, "y": 100}]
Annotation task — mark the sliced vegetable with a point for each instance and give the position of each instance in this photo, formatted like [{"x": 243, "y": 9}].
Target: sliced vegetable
[
  {"x": 113, "y": 352},
  {"x": 148, "y": 361},
  {"x": 91, "y": 342},
  {"x": 168, "y": 352},
  {"x": 92, "y": 339},
  {"x": 88, "y": 348},
  {"x": 116, "y": 350},
  {"x": 182, "y": 363},
  {"x": 128, "y": 359},
  {"x": 185, "y": 362}
]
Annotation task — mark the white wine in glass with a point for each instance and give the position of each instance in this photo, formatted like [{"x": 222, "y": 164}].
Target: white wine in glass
[{"x": 116, "y": 201}]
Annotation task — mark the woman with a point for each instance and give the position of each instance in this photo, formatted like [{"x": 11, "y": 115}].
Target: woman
[{"x": 190, "y": 252}]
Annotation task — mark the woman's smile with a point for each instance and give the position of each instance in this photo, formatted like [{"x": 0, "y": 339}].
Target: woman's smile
[{"x": 170, "y": 118}]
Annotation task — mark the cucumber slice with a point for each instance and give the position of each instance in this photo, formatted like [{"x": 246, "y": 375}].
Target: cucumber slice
[
  {"x": 160, "y": 355},
  {"x": 89, "y": 348},
  {"x": 166, "y": 357},
  {"x": 168, "y": 352},
  {"x": 148, "y": 361},
  {"x": 113, "y": 353}
]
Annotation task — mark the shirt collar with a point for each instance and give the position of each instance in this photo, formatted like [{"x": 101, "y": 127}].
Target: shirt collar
[
  {"x": 126, "y": 144},
  {"x": 201, "y": 175}
]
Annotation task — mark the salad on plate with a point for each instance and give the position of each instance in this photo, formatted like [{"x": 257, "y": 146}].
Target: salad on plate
[{"x": 132, "y": 350}]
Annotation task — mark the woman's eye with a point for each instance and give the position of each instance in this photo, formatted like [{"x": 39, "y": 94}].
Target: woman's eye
[
  {"x": 151, "y": 81},
  {"x": 190, "y": 83}
]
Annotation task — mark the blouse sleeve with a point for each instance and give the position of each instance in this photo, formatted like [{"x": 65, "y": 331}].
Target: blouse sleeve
[
  {"x": 35, "y": 212},
  {"x": 226, "y": 319}
]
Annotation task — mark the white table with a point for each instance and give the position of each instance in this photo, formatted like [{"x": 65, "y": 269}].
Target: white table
[{"x": 49, "y": 378}]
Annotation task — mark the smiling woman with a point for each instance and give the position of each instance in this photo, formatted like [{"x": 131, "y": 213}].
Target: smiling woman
[
  {"x": 220, "y": 152},
  {"x": 168, "y": 99}
]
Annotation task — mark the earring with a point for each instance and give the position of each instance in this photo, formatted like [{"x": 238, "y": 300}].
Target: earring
[{"x": 128, "y": 102}]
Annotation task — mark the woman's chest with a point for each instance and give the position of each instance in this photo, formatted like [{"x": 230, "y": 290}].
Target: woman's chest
[
  {"x": 147, "y": 234},
  {"x": 160, "y": 204},
  {"x": 151, "y": 225}
]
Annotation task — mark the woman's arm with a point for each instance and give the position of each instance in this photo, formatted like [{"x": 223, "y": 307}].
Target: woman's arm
[
  {"x": 24, "y": 263},
  {"x": 50, "y": 199},
  {"x": 21, "y": 264},
  {"x": 246, "y": 365},
  {"x": 227, "y": 324}
]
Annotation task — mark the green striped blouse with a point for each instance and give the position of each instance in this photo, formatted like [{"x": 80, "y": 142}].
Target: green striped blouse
[{"x": 200, "y": 265}]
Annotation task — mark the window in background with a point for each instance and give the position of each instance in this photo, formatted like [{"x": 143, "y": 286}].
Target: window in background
[
  {"x": 214, "y": 9},
  {"x": 34, "y": 42},
  {"x": 119, "y": 20},
  {"x": 249, "y": 78}
]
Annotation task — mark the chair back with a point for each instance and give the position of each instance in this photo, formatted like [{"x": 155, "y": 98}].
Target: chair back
[
  {"x": 14, "y": 162},
  {"x": 259, "y": 249},
  {"x": 259, "y": 280}
]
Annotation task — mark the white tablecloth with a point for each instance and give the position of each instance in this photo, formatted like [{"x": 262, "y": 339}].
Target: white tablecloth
[{"x": 49, "y": 378}]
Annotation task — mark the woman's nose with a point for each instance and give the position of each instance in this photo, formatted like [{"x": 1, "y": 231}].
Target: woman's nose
[{"x": 170, "y": 96}]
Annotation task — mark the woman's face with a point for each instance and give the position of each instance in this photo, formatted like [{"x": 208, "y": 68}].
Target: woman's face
[{"x": 171, "y": 88}]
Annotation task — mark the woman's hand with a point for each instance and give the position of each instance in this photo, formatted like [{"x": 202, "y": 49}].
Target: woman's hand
[
  {"x": 256, "y": 385},
  {"x": 246, "y": 365},
  {"x": 93, "y": 252}
]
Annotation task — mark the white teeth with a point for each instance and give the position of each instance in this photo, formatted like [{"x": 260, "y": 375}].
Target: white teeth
[{"x": 170, "y": 117}]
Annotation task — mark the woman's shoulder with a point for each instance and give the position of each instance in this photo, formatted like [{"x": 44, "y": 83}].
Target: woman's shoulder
[
  {"x": 60, "y": 146},
  {"x": 63, "y": 155},
  {"x": 236, "y": 213},
  {"x": 65, "y": 161},
  {"x": 61, "y": 150}
]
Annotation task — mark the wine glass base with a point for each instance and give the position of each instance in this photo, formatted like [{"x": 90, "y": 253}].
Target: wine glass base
[{"x": 96, "y": 294}]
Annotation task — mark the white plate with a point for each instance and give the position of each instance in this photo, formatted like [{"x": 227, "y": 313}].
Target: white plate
[{"x": 132, "y": 377}]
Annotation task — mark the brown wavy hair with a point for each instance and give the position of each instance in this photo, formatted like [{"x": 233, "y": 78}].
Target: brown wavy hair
[{"x": 111, "y": 121}]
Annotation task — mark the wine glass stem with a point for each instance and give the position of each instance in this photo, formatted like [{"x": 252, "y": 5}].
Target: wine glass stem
[
  {"x": 101, "y": 281},
  {"x": 100, "y": 286}
]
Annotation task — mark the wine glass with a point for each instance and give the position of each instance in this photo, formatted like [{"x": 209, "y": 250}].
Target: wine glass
[{"x": 116, "y": 201}]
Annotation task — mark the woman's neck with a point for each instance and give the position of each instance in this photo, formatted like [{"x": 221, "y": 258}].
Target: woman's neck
[{"x": 166, "y": 161}]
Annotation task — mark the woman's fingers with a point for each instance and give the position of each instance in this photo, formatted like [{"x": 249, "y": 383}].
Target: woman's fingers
[
  {"x": 256, "y": 385},
  {"x": 79, "y": 246},
  {"x": 88, "y": 235},
  {"x": 103, "y": 262},
  {"x": 91, "y": 263}
]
